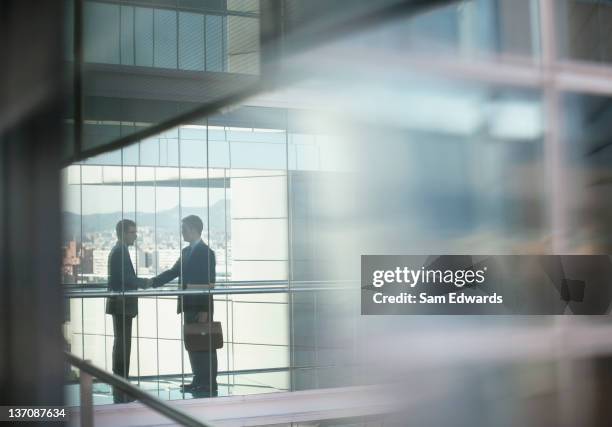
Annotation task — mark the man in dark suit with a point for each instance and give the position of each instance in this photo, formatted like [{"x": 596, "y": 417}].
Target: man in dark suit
[
  {"x": 122, "y": 277},
  {"x": 195, "y": 270}
]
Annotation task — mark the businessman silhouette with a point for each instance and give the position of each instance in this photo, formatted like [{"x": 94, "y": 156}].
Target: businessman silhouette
[
  {"x": 195, "y": 269},
  {"x": 122, "y": 277}
]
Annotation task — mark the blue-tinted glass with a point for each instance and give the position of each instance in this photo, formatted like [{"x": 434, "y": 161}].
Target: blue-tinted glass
[
  {"x": 127, "y": 35},
  {"x": 110, "y": 158},
  {"x": 98, "y": 133},
  {"x": 257, "y": 155},
  {"x": 440, "y": 25},
  {"x": 193, "y": 133},
  {"x": 584, "y": 29},
  {"x": 203, "y": 4},
  {"x": 101, "y": 33},
  {"x": 242, "y": 45},
  {"x": 143, "y": 33},
  {"x": 193, "y": 153},
  {"x": 191, "y": 41},
  {"x": 216, "y": 134},
  {"x": 257, "y": 136},
  {"x": 303, "y": 152},
  {"x": 130, "y": 155},
  {"x": 214, "y": 43},
  {"x": 149, "y": 152},
  {"x": 193, "y": 147},
  {"x": 164, "y": 45},
  {"x": 168, "y": 152},
  {"x": 168, "y": 3},
  {"x": 218, "y": 152}
]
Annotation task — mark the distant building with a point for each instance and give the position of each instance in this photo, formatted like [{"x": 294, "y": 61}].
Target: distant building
[
  {"x": 86, "y": 260},
  {"x": 70, "y": 262},
  {"x": 100, "y": 262},
  {"x": 166, "y": 258}
]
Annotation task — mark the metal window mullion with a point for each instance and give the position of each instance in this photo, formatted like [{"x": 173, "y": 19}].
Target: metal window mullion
[
  {"x": 555, "y": 175},
  {"x": 156, "y": 253},
  {"x": 224, "y": 43},
  {"x": 233, "y": 382},
  {"x": 180, "y": 298},
  {"x": 552, "y": 135},
  {"x": 134, "y": 35},
  {"x": 210, "y": 297},
  {"x": 177, "y": 35},
  {"x": 81, "y": 270},
  {"x": 205, "y": 58},
  {"x": 231, "y": 329},
  {"x": 136, "y": 266},
  {"x": 125, "y": 361},
  {"x": 289, "y": 258},
  {"x": 227, "y": 299},
  {"x": 120, "y": 40},
  {"x": 153, "y": 37}
]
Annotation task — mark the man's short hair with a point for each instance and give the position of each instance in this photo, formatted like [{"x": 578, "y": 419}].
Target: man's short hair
[
  {"x": 123, "y": 226},
  {"x": 194, "y": 221}
]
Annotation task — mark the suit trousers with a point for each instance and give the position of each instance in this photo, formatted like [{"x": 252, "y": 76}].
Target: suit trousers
[
  {"x": 122, "y": 345},
  {"x": 203, "y": 363}
]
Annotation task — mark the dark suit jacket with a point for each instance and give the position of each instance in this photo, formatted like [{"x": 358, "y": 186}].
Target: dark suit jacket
[
  {"x": 121, "y": 276},
  {"x": 198, "y": 268}
]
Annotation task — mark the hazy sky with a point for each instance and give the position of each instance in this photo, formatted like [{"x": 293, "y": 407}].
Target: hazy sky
[{"x": 107, "y": 199}]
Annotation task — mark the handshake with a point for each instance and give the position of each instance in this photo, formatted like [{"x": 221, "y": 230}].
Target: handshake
[{"x": 146, "y": 283}]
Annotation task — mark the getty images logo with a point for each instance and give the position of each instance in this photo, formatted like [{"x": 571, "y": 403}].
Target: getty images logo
[{"x": 411, "y": 277}]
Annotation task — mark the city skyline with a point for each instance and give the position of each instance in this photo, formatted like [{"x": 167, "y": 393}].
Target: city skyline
[{"x": 161, "y": 219}]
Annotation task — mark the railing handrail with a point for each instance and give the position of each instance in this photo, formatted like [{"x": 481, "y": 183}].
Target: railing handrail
[
  {"x": 219, "y": 283},
  {"x": 219, "y": 290},
  {"x": 225, "y": 283},
  {"x": 135, "y": 392}
]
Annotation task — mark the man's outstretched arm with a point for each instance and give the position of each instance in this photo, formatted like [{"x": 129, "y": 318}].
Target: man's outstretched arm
[
  {"x": 167, "y": 275},
  {"x": 131, "y": 280}
]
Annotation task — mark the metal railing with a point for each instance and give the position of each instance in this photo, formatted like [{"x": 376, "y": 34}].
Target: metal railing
[
  {"x": 99, "y": 290},
  {"x": 89, "y": 371}
]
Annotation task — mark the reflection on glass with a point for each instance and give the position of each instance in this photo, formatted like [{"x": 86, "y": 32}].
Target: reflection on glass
[
  {"x": 588, "y": 163},
  {"x": 373, "y": 157},
  {"x": 583, "y": 26}
]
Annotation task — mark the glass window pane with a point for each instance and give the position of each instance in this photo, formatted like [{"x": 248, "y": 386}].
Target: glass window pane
[
  {"x": 584, "y": 30},
  {"x": 243, "y": 5},
  {"x": 265, "y": 239},
  {"x": 193, "y": 147},
  {"x": 165, "y": 39},
  {"x": 143, "y": 35},
  {"x": 242, "y": 45},
  {"x": 258, "y": 155},
  {"x": 127, "y": 35},
  {"x": 191, "y": 41},
  {"x": 215, "y": 44},
  {"x": 253, "y": 315},
  {"x": 101, "y": 33}
]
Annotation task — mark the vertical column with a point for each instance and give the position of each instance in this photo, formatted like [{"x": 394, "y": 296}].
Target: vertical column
[
  {"x": 31, "y": 306},
  {"x": 552, "y": 135}
]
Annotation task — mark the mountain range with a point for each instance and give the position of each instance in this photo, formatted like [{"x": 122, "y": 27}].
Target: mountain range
[{"x": 167, "y": 220}]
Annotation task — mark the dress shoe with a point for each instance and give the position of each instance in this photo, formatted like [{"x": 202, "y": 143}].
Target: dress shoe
[
  {"x": 123, "y": 399},
  {"x": 188, "y": 387},
  {"x": 200, "y": 391}
]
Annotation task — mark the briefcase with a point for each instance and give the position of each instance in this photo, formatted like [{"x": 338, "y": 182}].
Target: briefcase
[{"x": 203, "y": 336}]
